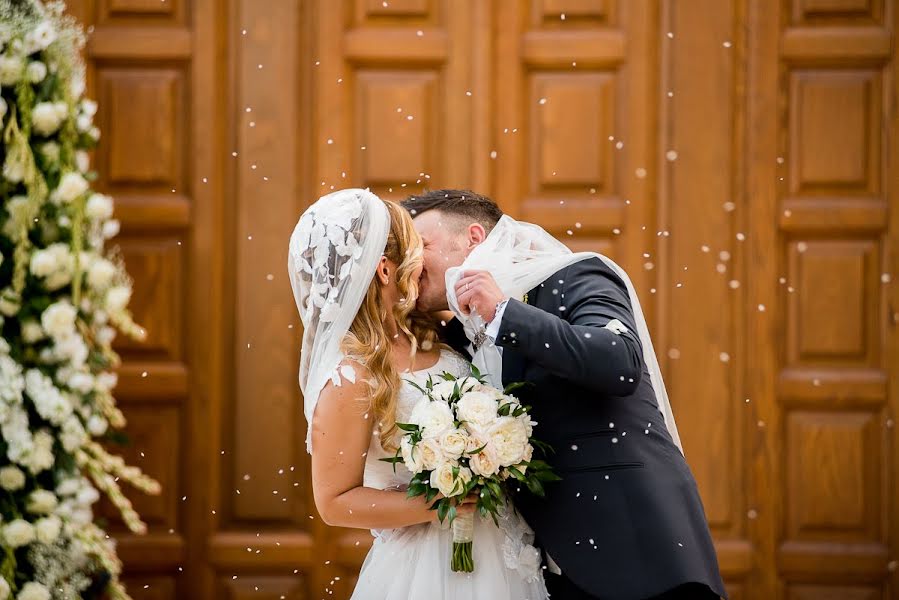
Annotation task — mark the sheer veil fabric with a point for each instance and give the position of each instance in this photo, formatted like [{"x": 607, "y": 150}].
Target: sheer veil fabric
[
  {"x": 522, "y": 255},
  {"x": 332, "y": 257}
]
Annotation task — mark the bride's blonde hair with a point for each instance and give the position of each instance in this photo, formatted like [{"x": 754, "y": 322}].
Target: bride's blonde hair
[{"x": 367, "y": 340}]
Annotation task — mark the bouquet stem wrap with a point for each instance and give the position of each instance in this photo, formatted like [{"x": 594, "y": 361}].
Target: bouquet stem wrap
[{"x": 463, "y": 534}]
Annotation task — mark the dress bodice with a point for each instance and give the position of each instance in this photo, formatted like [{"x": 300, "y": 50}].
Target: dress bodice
[{"x": 379, "y": 474}]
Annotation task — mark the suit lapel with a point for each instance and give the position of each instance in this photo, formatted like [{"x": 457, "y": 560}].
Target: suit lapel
[{"x": 513, "y": 362}]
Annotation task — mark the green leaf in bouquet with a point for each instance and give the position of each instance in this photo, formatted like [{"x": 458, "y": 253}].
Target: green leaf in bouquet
[
  {"x": 520, "y": 410},
  {"x": 504, "y": 410},
  {"x": 431, "y": 494},
  {"x": 496, "y": 489},
  {"x": 443, "y": 506},
  {"x": 416, "y": 386},
  {"x": 536, "y": 487},
  {"x": 476, "y": 451},
  {"x": 407, "y": 426},
  {"x": 447, "y": 376},
  {"x": 517, "y": 474},
  {"x": 451, "y": 513},
  {"x": 475, "y": 372},
  {"x": 515, "y": 386},
  {"x": 392, "y": 459},
  {"x": 417, "y": 489},
  {"x": 542, "y": 446},
  {"x": 547, "y": 475}
]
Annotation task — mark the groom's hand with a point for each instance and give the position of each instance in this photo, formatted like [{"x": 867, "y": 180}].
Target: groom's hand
[{"x": 477, "y": 291}]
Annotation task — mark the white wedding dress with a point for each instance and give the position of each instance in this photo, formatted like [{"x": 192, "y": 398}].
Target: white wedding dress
[{"x": 414, "y": 562}]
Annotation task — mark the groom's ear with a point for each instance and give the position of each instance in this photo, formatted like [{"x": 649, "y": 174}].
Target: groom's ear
[{"x": 476, "y": 235}]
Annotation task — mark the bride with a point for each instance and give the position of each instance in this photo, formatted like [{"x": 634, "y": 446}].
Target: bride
[{"x": 354, "y": 263}]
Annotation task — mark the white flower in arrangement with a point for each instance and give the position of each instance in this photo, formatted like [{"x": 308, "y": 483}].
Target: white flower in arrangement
[
  {"x": 48, "y": 400},
  {"x": 41, "y": 502},
  {"x": 43, "y": 263},
  {"x": 485, "y": 462},
  {"x": 105, "y": 335},
  {"x": 12, "y": 478},
  {"x": 446, "y": 482},
  {"x": 13, "y": 170},
  {"x": 97, "y": 425},
  {"x": 10, "y": 69},
  {"x": 100, "y": 273},
  {"x": 18, "y": 533},
  {"x": 39, "y": 456},
  {"x": 106, "y": 381},
  {"x": 411, "y": 455},
  {"x": 453, "y": 443},
  {"x": 71, "y": 348},
  {"x": 48, "y": 116},
  {"x": 47, "y": 530},
  {"x": 59, "y": 319},
  {"x": 509, "y": 438},
  {"x": 3, "y": 108},
  {"x": 83, "y": 161},
  {"x": 434, "y": 417},
  {"x": 40, "y": 37},
  {"x": 5, "y": 590},
  {"x": 32, "y": 331},
  {"x": 111, "y": 229},
  {"x": 99, "y": 207},
  {"x": 36, "y": 71},
  {"x": 33, "y": 591},
  {"x": 68, "y": 487},
  {"x": 477, "y": 409},
  {"x": 94, "y": 133},
  {"x": 89, "y": 107},
  {"x": 73, "y": 435},
  {"x": 81, "y": 382},
  {"x": 50, "y": 151},
  {"x": 10, "y": 302},
  {"x": 117, "y": 298},
  {"x": 444, "y": 389},
  {"x": 83, "y": 123},
  {"x": 12, "y": 383},
  {"x": 431, "y": 454},
  {"x": 71, "y": 186}
]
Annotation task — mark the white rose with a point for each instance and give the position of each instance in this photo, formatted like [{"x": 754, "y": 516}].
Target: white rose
[
  {"x": 411, "y": 455},
  {"x": 45, "y": 118},
  {"x": 485, "y": 462},
  {"x": 48, "y": 529},
  {"x": 433, "y": 417},
  {"x": 99, "y": 207},
  {"x": 43, "y": 262},
  {"x": 83, "y": 160},
  {"x": 10, "y": 70},
  {"x": 117, "y": 298},
  {"x": 100, "y": 273},
  {"x": 71, "y": 185},
  {"x": 12, "y": 478},
  {"x": 4, "y": 589},
  {"x": 59, "y": 319},
  {"x": 18, "y": 533},
  {"x": 477, "y": 408},
  {"x": 97, "y": 425},
  {"x": 453, "y": 443},
  {"x": 443, "y": 479},
  {"x": 36, "y": 71},
  {"x": 33, "y": 591},
  {"x": 41, "y": 502},
  {"x": 509, "y": 438},
  {"x": 431, "y": 454}
]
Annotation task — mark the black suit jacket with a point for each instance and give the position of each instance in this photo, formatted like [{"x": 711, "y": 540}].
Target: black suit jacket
[{"x": 626, "y": 521}]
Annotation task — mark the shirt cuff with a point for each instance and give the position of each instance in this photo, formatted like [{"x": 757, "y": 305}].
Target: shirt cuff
[{"x": 493, "y": 327}]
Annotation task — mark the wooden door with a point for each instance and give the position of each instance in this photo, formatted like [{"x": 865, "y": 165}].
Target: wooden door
[{"x": 738, "y": 158}]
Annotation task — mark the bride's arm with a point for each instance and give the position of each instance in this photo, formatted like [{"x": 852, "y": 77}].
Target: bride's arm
[{"x": 341, "y": 432}]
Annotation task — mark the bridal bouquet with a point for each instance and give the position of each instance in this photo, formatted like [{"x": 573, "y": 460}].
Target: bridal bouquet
[{"x": 466, "y": 437}]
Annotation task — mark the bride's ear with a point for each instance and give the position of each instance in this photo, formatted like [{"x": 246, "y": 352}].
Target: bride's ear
[{"x": 383, "y": 272}]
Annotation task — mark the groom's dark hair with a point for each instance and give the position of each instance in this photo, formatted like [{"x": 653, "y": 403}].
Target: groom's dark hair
[{"x": 459, "y": 203}]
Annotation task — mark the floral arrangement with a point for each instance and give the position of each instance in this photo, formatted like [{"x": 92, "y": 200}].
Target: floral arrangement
[
  {"x": 466, "y": 437},
  {"x": 62, "y": 299}
]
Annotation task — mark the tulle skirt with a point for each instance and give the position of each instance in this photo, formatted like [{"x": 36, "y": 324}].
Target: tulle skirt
[{"x": 414, "y": 562}]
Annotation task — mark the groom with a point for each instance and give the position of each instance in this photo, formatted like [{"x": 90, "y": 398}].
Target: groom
[{"x": 626, "y": 521}]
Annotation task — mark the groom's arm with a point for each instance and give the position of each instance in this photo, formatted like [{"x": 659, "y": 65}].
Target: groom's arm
[{"x": 575, "y": 343}]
